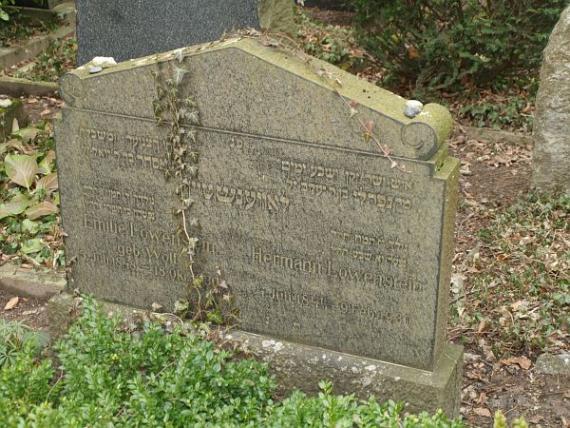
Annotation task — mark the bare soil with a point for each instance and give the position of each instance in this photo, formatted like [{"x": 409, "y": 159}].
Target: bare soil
[{"x": 29, "y": 311}]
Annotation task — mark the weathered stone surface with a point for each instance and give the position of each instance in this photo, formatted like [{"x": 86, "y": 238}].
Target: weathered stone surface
[
  {"x": 61, "y": 310},
  {"x": 303, "y": 367},
  {"x": 551, "y": 163},
  {"x": 553, "y": 364},
  {"x": 27, "y": 282},
  {"x": 124, "y": 29},
  {"x": 323, "y": 240}
]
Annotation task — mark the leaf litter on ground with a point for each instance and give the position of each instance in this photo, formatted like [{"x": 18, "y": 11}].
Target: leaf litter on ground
[{"x": 29, "y": 199}]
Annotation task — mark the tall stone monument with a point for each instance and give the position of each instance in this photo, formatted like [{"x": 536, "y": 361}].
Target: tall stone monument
[
  {"x": 126, "y": 29},
  {"x": 328, "y": 212},
  {"x": 551, "y": 162}
]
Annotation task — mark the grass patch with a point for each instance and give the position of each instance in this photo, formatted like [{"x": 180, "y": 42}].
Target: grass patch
[
  {"x": 149, "y": 374},
  {"x": 518, "y": 296}
]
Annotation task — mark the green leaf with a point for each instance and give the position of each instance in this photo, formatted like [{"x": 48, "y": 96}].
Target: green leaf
[
  {"x": 15, "y": 206},
  {"x": 42, "y": 209},
  {"x": 46, "y": 165},
  {"x": 32, "y": 246},
  {"x": 21, "y": 169},
  {"x": 30, "y": 227},
  {"x": 27, "y": 135}
]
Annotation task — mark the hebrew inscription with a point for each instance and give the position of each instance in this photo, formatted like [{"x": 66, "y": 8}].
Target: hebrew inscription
[{"x": 315, "y": 242}]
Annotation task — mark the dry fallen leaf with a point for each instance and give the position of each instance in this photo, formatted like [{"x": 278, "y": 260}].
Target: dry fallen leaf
[
  {"x": 12, "y": 303},
  {"x": 484, "y": 325},
  {"x": 522, "y": 361},
  {"x": 482, "y": 411}
]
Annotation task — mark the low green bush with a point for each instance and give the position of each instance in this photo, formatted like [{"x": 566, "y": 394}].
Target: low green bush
[
  {"x": 3, "y": 13},
  {"x": 109, "y": 374},
  {"x": 454, "y": 45}
]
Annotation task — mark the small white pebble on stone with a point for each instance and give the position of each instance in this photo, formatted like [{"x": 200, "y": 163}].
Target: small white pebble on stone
[
  {"x": 397, "y": 379},
  {"x": 179, "y": 54},
  {"x": 103, "y": 61},
  {"x": 96, "y": 69},
  {"x": 413, "y": 108},
  {"x": 370, "y": 368},
  {"x": 279, "y": 346},
  {"x": 5, "y": 103},
  {"x": 339, "y": 358},
  {"x": 267, "y": 343}
]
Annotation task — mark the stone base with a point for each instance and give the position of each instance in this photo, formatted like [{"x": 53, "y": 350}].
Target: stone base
[
  {"x": 303, "y": 367},
  {"x": 30, "y": 283}
]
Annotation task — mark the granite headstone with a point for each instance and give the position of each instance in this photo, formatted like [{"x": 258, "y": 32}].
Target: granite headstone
[
  {"x": 327, "y": 236},
  {"x": 125, "y": 29},
  {"x": 42, "y": 4}
]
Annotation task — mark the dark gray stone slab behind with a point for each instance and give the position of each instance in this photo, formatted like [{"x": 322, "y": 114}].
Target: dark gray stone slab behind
[
  {"x": 126, "y": 29},
  {"x": 42, "y": 4}
]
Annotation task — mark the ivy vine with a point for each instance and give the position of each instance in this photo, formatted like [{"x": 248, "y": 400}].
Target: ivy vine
[{"x": 209, "y": 297}]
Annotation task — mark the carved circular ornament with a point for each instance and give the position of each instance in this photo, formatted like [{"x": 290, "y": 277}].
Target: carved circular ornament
[{"x": 421, "y": 138}]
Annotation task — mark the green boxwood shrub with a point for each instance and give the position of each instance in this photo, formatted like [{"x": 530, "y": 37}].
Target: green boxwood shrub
[
  {"x": 107, "y": 374},
  {"x": 449, "y": 45}
]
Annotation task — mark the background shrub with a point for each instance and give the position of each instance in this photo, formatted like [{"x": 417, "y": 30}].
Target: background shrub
[{"x": 436, "y": 45}]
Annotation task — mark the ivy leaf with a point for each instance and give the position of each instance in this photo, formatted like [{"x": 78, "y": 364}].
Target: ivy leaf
[
  {"x": 15, "y": 206},
  {"x": 21, "y": 169},
  {"x": 46, "y": 165},
  {"x": 42, "y": 209},
  {"x": 30, "y": 227},
  {"x": 32, "y": 246}
]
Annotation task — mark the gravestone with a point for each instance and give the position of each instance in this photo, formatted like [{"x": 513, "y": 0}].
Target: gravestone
[
  {"x": 551, "y": 160},
  {"x": 124, "y": 29},
  {"x": 327, "y": 212}
]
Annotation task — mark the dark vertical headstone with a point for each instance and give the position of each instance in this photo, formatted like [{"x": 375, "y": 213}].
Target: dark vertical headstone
[
  {"x": 42, "y": 4},
  {"x": 125, "y": 29}
]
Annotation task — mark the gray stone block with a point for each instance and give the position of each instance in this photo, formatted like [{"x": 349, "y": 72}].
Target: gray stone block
[{"x": 303, "y": 367}]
